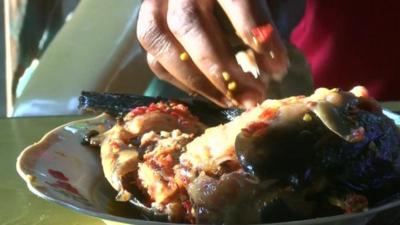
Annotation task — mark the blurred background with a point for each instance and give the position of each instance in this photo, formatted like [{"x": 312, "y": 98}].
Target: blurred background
[
  {"x": 27, "y": 28},
  {"x": 2, "y": 63},
  {"x": 44, "y": 68}
]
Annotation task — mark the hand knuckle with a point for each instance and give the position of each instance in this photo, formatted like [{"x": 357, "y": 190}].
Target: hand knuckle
[
  {"x": 183, "y": 20},
  {"x": 149, "y": 32}
]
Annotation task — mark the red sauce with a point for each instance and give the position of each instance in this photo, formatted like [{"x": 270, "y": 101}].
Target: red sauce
[
  {"x": 268, "y": 113},
  {"x": 254, "y": 127},
  {"x": 355, "y": 203},
  {"x": 57, "y": 174},
  {"x": 174, "y": 109},
  {"x": 114, "y": 145},
  {"x": 187, "y": 205},
  {"x": 358, "y": 134},
  {"x": 167, "y": 162},
  {"x": 65, "y": 186},
  {"x": 138, "y": 111}
]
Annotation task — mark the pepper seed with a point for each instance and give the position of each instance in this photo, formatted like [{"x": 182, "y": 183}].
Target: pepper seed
[
  {"x": 226, "y": 76},
  {"x": 184, "y": 56},
  {"x": 232, "y": 85}
]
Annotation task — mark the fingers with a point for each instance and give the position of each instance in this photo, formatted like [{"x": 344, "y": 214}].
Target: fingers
[
  {"x": 165, "y": 53},
  {"x": 252, "y": 23},
  {"x": 196, "y": 29},
  {"x": 164, "y": 75}
]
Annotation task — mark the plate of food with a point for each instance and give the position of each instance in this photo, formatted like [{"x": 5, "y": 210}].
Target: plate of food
[{"x": 329, "y": 158}]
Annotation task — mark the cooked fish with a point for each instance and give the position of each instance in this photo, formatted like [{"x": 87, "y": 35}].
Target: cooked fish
[{"x": 302, "y": 157}]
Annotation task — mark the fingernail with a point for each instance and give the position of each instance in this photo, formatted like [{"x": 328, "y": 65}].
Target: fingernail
[
  {"x": 262, "y": 34},
  {"x": 249, "y": 100},
  {"x": 267, "y": 40},
  {"x": 262, "y": 37},
  {"x": 249, "y": 104},
  {"x": 269, "y": 46}
]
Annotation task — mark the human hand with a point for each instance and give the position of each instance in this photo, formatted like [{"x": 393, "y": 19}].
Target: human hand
[{"x": 187, "y": 47}]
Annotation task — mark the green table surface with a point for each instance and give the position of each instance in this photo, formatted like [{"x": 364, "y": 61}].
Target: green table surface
[{"x": 17, "y": 204}]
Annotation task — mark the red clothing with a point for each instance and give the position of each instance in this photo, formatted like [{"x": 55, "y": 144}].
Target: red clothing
[{"x": 350, "y": 43}]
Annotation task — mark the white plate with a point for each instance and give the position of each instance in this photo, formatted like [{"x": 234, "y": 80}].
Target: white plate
[{"x": 60, "y": 169}]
